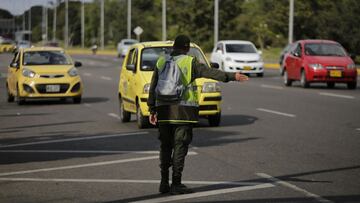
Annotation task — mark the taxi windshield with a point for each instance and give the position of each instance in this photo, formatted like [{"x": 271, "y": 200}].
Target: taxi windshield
[
  {"x": 149, "y": 56},
  {"x": 45, "y": 58}
]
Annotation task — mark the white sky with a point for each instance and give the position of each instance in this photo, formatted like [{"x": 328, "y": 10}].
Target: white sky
[{"x": 17, "y": 7}]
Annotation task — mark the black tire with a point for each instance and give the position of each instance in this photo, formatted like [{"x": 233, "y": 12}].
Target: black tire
[
  {"x": 303, "y": 81},
  {"x": 77, "y": 99},
  {"x": 142, "y": 121},
  {"x": 214, "y": 120},
  {"x": 19, "y": 100},
  {"x": 10, "y": 97},
  {"x": 287, "y": 81},
  {"x": 125, "y": 116},
  {"x": 330, "y": 84},
  {"x": 351, "y": 85},
  {"x": 260, "y": 75}
]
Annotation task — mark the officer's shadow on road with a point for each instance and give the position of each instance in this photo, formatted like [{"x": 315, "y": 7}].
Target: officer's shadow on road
[{"x": 231, "y": 120}]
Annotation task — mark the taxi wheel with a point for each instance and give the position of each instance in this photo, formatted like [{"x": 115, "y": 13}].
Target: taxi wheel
[
  {"x": 77, "y": 100},
  {"x": 19, "y": 100},
  {"x": 214, "y": 120},
  {"x": 10, "y": 97},
  {"x": 125, "y": 116},
  {"x": 142, "y": 121},
  {"x": 304, "y": 83}
]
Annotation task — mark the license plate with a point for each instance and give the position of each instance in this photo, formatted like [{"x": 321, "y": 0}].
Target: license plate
[
  {"x": 52, "y": 88},
  {"x": 247, "y": 67},
  {"x": 335, "y": 73}
]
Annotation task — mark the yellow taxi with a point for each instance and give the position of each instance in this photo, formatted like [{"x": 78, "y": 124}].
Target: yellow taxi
[
  {"x": 135, "y": 79},
  {"x": 43, "y": 72},
  {"x": 7, "y": 46}
]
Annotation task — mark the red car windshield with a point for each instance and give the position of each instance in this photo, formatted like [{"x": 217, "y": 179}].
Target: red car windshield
[{"x": 324, "y": 49}]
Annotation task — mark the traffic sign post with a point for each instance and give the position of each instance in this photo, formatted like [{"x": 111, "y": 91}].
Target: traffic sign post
[{"x": 138, "y": 30}]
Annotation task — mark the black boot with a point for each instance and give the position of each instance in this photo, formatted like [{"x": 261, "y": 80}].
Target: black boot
[
  {"x": 178, "y": 188},
  {"x": 164, "y": 184}
]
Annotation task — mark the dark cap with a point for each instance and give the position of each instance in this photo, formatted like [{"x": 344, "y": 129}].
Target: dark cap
[{"x": 181, "y": 42}]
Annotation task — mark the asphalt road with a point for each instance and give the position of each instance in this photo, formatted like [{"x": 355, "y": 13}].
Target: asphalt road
[{"x": 275, "y": 144}]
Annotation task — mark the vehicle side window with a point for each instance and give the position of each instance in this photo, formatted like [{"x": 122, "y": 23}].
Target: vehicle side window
[
  {"x": 297, "y": 51},
  {"x": 130, "y": 59},
  {"x": 16, "y": 58},
  {"x": 220, "y": 47}
]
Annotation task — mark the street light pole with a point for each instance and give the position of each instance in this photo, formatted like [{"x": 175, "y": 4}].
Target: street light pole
[
  {"x": 82, "y": 24},
  {"x": 102, "y": 24},
  {"x": 291, "y": 21},
  {"x": 66, "y": 24},
  {"x": 54, "y": 22},
  {"x": 163, "y": 20},
  {"x": 216, "y": 22},
  {"x": 23, "y": 23},
  {"x": 129, "y": 20}
]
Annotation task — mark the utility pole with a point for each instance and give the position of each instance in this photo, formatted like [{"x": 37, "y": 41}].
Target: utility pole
[
  {"x": 29, "y": 22},
  {"x": 129, "y": 20},
  {"x": 66, "y": 39},
  {"x": 216, "y": 22},
  {"x": 291, "y": 21},
  {"x": 54, "y": 22},
  {"x": 82, "y": 24},
  {"x": 23, "y": 23},
  {"x": 46, "y": 23},
  {"x": 102, "y": 24},
  {"x": 164, "y": 20}
]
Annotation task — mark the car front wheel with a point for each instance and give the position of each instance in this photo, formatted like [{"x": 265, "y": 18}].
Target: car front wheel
[
  {"x": 10, "y": 97},
  {"x": 287, "y": 81},
  {"x": 214, "y": 120},
  {"x": 142, "y": 121},
  {"x": 303, "y": 81},
  {"x": 125, "y": 116},
  {"x": 77, "y": 100},
  {"x": 351, "y": 85}
]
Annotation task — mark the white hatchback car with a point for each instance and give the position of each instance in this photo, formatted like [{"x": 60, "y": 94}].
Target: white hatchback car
[
  {"x": 123, "y": 46},
  {"x": 238, "y": 56}
]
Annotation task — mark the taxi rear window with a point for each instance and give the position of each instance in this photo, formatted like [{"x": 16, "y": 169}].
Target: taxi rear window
[{"x": 149, "y": 56}]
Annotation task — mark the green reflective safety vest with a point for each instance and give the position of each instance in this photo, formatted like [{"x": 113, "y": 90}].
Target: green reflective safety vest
[{"x": 187, "y": 110}]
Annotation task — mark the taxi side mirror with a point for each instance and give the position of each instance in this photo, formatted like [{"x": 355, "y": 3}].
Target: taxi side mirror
[
  {"x": 130, "y": 67},
  {"x": 77, "y": 64},
  {"x": 214, "y": 65},
  {"x": 14, "y": 65}
]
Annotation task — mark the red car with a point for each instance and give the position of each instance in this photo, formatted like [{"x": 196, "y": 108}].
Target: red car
[{"x": 325, "y": 61}]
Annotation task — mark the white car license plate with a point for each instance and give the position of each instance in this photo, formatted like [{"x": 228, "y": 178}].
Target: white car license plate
[{"x": 52, "y": 88}]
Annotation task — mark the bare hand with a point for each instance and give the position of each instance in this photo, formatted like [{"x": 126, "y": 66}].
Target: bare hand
[
  {"x": 240, "y": 77},
  {"x": 153, "y": 119}
]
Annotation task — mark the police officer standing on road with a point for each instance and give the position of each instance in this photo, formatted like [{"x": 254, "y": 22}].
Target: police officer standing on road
[{"x": 176, "y": 121}]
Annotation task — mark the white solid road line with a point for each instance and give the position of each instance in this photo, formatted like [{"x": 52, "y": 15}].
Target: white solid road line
[
  {"x": 87, "y": 105},
  {"x": 87, "y": 151},
  {"x": 73, "y": 139},
  {"x": 87, "y": 74},
  {"x": 105, "y": 78},
  {"x": 127, "y": 181},
  {"x": 336, "y": 95},
  {"x": 276, "y": 112},
  {"x": 294, "y": 187},
  {"x": 79, "y": 166},
  {"x": 272, "y": 87},
  {"x": 114, "y": 115},
  {"x": 207, "y": 193}
]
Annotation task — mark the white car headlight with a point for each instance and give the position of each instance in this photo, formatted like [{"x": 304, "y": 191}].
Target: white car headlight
[
  {"x": 73, "y": 72},
  {"x": 351, "y": 66},
  {"x": 146, "y": 88},
  {"x": 209, "y": 87},
  {"x": 316, "y": 66},
  {"x": 28, "y": 73},
  {"x": 228, "y": 59}
]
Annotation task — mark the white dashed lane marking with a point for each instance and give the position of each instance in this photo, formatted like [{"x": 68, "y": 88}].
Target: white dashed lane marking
[
  {"x": 88, "y": 74},
  {"x": 276, "y": 112},
  {"x": 272, "y": 87},
  {"x": 114, "y": 115},
  {"x": 336, "y": 95},
  {"x": 105, "y": 78}
]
